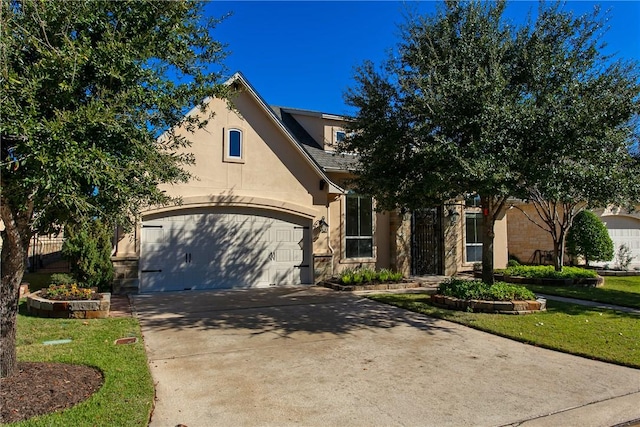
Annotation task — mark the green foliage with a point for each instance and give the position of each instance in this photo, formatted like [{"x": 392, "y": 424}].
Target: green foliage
[
  {"x": 87, "y": 89},
  {"x": 548, "y": 272},
  {"x": 476, "y": 289},
  {"x": 356, "y": 276},
  {"x": 61, "y": 279},
  {"x": 87, "y": 246},
  {"x": 468, "y": 102},
  {"x": 624, "y": 257},
  {"x": 513, "y": 263},
  {"x": 589, "y": 238},
  {"x": 579, "y": 111}
]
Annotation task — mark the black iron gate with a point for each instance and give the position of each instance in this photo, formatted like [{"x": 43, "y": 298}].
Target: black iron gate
[{"x": 426, "y": 242}]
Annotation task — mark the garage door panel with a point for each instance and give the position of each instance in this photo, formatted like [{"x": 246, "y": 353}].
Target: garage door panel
[{"x": 206, "y": 250}]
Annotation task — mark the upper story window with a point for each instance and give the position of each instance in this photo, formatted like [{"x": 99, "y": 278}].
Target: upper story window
[
  {"x": 234, "y": 146},
  {"x": 340, "y": 136},
  {"x": 359, "y": 226}
]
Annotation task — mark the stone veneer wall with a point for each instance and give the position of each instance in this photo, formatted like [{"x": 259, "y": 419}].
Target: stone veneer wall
[
  {"x": 126, "y": 274},
  {"x": 400, "y": 241},
  {"x": 322, "y": 267}
]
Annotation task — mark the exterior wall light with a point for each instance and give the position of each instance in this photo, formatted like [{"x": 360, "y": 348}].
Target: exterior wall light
[{"x": 321, "y": 225}]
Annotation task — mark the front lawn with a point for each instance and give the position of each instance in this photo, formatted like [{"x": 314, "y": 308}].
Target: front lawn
[
  {"x": 618, "y": 290},
  {"x": 125, "y": 398},
  {"x": 597, "y": 334}
]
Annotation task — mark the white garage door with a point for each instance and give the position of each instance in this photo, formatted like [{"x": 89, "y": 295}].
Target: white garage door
[
  {"x": 624, "y": 230},
  {"x": 223, "y": 249}
]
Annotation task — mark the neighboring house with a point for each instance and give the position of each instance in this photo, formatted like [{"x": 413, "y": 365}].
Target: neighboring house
[
  {"x": 530, "y": 244},
  {"x": 270, "y": 204}
]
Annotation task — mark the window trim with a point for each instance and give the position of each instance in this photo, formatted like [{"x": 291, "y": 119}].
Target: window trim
[
  {"x": 476, "y": 211},
  {"x": 227, "y": 157},
  {"x": 335, "y": 136},
  {"x": 373, "y": 256}
]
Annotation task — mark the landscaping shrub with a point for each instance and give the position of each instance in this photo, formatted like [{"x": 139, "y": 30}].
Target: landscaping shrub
[
  {"x": 61, "y": 279},
  {"x": 358, "y": 276},
  {"x": 548, "y": 272},
  {"x": 87, "y": 246},
  {"x": 589, "y": 238},
  {"x": 623, "y": 257},
  {"x": 513, "y": 263},
  {"x": 477, "y": 289}
]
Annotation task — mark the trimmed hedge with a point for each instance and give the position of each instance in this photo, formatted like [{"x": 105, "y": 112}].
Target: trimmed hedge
[
  {"x": 360, "y": 276},
  {"x": 547, "y": 272},
  {"x": 478, "y": 290}
]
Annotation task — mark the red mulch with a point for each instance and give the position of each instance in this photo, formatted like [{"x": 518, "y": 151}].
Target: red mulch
[{"x": 42, "y": 388}]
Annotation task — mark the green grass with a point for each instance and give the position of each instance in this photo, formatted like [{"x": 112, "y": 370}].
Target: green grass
[
  {"x": 597, "y": 334},
  {"x": 618, "y": 290},
  {"x": 125, "y": 398}
]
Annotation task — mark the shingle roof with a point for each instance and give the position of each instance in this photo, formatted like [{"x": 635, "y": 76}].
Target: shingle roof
[{"x": 327, "y": 160}]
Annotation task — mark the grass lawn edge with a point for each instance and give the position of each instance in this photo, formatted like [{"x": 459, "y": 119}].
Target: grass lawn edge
[{"x": 449, "y": 315}]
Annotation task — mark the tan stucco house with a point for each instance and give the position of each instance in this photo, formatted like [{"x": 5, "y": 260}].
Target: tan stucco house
[{"x": 270, "y": 204}]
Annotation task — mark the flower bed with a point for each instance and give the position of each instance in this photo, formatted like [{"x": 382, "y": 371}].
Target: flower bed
[
  {"x": 477, "y": 296},
  {"x": 97, "y": 308},
  {"x": 370, "y": 286},
  {"x": 367, "y": 279},
  {"x": 550, "y": 281},
  {"x": 482, "y": 306}
]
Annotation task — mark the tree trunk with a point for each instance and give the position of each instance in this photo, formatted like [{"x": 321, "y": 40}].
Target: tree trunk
[
  {"x": 558, "y": 252},
  {"x": 488, "y": 220},
  {"x": 15, "y": 243}
]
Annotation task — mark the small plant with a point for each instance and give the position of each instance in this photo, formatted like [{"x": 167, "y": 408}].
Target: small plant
[
  {"x": 367, "y": 275},
  {"x": 70, "y": 292},
  {"x": 62, "y": 279},
  {"x": 548, "y": 272},
  {"x": 513, "y": 263},
  {"x": 624, "y": 257},
  {"x": 478, "y": 290},
  {"x": 87, "y": 247}
]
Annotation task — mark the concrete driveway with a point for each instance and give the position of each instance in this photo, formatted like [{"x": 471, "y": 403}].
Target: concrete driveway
[{"x": 314, "y": 357}]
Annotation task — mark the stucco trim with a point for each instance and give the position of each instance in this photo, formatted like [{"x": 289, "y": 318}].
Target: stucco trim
[{"x": 225, "y": 200}]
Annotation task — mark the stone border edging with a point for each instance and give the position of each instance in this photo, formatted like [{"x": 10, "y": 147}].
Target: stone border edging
[
  {"x": 518, "y": 280},
  {"x": 618, "y": 273},
  {"x": 497, "y": 307},
  {"x": 82, "y": 309},
  {"x": 372, "y": 287}
]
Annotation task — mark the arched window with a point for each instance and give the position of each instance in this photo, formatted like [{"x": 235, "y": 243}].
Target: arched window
[{"x": 233, "y": 148}]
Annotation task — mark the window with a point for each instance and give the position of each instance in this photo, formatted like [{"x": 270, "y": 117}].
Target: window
[
  {"x": 473, "y": 236},
  {"x": 359, "y": 226},
  {"x": 340, "y": 136},
  {"x": 233, "y": 148}
]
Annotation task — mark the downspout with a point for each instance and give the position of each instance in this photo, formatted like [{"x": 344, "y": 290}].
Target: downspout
[{"x": 331, "y": 251}]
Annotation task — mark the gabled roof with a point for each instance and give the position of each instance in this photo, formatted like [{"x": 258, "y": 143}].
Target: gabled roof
[
  {"x": 329, "y": 161},
  {"x": 301, "y": 147}
]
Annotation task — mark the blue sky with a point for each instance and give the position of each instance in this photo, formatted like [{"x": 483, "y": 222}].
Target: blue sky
[{"x": 302, "y": 54}]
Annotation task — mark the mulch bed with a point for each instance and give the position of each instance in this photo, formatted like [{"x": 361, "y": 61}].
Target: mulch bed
[{"x": 42, "y": 388}]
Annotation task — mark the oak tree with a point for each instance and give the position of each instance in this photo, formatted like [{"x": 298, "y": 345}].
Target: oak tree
[{"x": 87, "y": 89}]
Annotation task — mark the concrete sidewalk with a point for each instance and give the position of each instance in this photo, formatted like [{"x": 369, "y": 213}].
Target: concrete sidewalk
[
  {"x": 593, "y": 304},
  {"x": 315, "y": 357}
]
